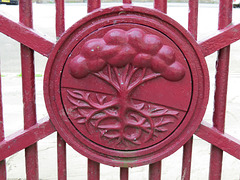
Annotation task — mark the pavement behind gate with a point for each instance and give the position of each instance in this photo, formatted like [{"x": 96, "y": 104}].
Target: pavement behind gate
[{"x": 171, "y": 168}]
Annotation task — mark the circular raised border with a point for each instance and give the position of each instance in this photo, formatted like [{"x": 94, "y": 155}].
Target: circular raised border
[{"x": 116, "y": 15}]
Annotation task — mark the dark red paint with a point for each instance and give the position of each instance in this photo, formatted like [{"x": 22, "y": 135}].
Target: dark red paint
[
  {"x": 61, "y": 144},
  {"x": 126, "y": 86},
  {"x": 220, "y": 96},
  {"x": 133, "y": 43},
  {"x": 123, "y": 116},
  {"x": 28, "y": 85},
  {"x": 26, "y": 36}
]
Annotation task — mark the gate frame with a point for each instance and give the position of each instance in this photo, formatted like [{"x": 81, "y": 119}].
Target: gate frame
[{"x": 35, "y": 130}]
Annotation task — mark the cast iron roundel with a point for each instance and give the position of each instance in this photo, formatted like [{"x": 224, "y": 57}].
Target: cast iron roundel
[{"x": 126, "y": 86}]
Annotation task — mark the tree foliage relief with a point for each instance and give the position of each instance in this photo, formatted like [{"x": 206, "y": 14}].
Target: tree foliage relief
[{"x": 124, "y": 60}]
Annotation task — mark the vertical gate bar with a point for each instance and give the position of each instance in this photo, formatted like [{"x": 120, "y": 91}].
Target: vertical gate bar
[
  {"x": 93, "y": 167},
  {"x": 161, "y": 5},
  {"x": 221, "y": 83},
  {"x": 62, "y": 163},
  {"x": 93, "y": 4},
  {"x": 127, "y": 1},
  {"x": 187, "y": 148},
  {"x": 60, "y": 19},
  {"x": 61, "y": 144},
  {"x": 3, "y": 175},
  {"x": 123, "y": 173},
  {"x": 155, "y": 171},
  {"x": 219, "y": 110},
  {"x": 187, "y": 160},
  {"x": 28, "y": 86},
  {"x": 93, "y": 170},
  {"x": 193, "y": 18}
]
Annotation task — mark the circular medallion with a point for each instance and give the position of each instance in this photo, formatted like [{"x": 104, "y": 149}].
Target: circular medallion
[{"x": 126, "y": 86}]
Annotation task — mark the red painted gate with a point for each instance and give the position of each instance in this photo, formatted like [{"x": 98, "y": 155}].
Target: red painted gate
[{"x": 125, "y": 86}]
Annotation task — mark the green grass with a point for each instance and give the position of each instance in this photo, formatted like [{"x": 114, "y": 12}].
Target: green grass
[{"x": 36, "y": 75}]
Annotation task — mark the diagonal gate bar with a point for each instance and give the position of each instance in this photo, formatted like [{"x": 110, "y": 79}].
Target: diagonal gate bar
[
  {"x": 224, "y": 38},
  {"x": 26, "y": 36},
  {"x": 25, "y": 138},
  {"x": 221, "y": 140}
]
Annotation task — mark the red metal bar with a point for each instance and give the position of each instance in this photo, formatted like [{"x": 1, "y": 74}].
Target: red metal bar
[
  {"x": 93, "y": 170},
  {"x": 155, "y": 171},
  {"x": 224, "y": 38},
  {"x": 193, "y": 18},
  {"x": 26, "y": 36},
  {"x": 219, "y": 110},
  {"x": 28, "y": 85},
  {"x": 93, "y": 167},
  {"x": 3, "y": 174},
  {"x": 31, "y": 158},
  {"x": 225, "y": 13},
  {"x": 225, "y": 142},
  {"x": 225, "y": 18},
  {"x": 61, "y": 144},
  {"x": 161, "y": 5},
  {"x": 187, "y": 160},
  {"x": 62, "y": 163},
  {"x": 60, "y": 20},
  {"x": 187, "y": 148},
  {"x": 25, "y": 138},
  {"x": 123, "y": 173},
  {"x": 93, "y": 4}
]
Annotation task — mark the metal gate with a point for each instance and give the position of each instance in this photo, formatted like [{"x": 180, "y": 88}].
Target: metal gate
[{"x": 121, "y": 54}]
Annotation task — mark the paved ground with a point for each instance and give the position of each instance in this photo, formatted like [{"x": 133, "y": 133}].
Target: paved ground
[{"x": 44, "y": 23}]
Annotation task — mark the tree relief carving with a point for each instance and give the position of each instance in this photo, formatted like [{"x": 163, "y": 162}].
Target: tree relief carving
[
  {"x": 125, "y": 60},
  {"x": 119, "y": 48}
]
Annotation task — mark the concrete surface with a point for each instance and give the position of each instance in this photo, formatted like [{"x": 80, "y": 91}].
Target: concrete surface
[{"x": 171, "y": 169}]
